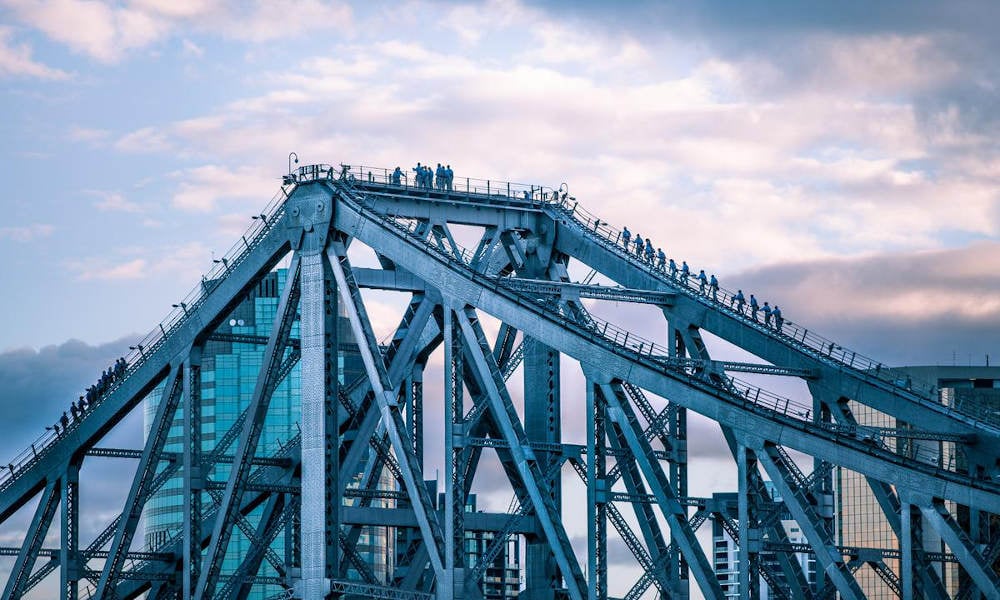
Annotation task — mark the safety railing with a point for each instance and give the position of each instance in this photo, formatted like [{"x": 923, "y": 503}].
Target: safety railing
[
  {"x": 634, "y": 347},
  {"x": 407, "y": 181},
  {"x": 795, "y": 334},
  {"x": 789, "y": 331},
  {"x": 153, "y": 341}
]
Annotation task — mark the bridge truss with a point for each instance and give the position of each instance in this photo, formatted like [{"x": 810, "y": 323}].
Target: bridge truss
[{"x": 505, "y": 303}]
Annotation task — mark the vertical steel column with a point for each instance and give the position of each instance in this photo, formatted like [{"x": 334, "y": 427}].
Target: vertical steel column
[
  {"x": 677, "y": 428},
  {"x": 193, "y": 481},
  {"x": 69, "y": 560},
  {"x": 678, "y": 464},
  {"x": 21, "y": 572},
  {"x": 825, "y": 508},
  {"x": 597, "y": 517},
  {"x": 454, "y": 501},
  {"x": 416, "y": 389},
  {"x": 906, "y": 572},
  {"x": 749, "y": 578},
  {"x": 542, "y": 423},
  {"x": 320, "y": 525}
]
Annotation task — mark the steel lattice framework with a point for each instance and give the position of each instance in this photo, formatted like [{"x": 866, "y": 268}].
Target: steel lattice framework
[{"x": 633, "y": 465}]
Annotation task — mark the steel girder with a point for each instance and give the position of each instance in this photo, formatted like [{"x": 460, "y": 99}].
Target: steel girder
[
  {"x": 194, "y": 471},
  {"x": 573, "y": 237},
  {"x": 782, "y": 472},
  {"x": 218, "y": 298},
  {"x": 386, "y": 398},
  {"x": 969, "y": 555},
  {"x": 922, "y": 575},
  {"x": 253, "y": 425},
  {"x": 145, "y": 473},
  {"x": 17, "y": 583},
  {"x": 416, "y": 269},
  {"x": 624, "y": 417},
  {"x": 529, "y": 471},
  {"x": 442, "y": 272}
]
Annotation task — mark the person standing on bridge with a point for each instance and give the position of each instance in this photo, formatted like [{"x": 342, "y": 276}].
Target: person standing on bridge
[
  {"x": 754, "y": 307},
  {"x": 661, "y": 260},
  {"x": 702, "y": 281},
  {"x": 639, "y": 245},
  {"x": 439, "y": 172},
  {"x": 449, "y": 177},
  {"x": 739, "y": 301},
  {"x": 685, "y": 272},
  {"x": 649, "y": 251},
  {"x": 418, "y": 179},
  {"x": 626, "y": 236},
  {"x": 767, "y": 314},
  {"x": 778, "y": 320},
  {"x": 396, "y": 176},
  {"x": 713, "y": 285},
  {"x": 673, "y": 269},
  {"x": 64, "y": 421}
]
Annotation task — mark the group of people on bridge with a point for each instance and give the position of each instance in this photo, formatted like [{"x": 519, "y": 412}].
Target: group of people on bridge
[
  {"x": 772, "y": 316},
  {"x": 440, "y": 178},
  {"x": 109, "y": 377},
  {"x": 707, "y": 285}
]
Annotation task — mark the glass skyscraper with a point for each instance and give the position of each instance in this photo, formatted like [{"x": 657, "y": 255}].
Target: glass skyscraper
[{"x": 230, "y": 364}]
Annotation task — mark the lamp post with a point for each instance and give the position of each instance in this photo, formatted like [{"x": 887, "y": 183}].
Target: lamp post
[
  {"x": 290, "y": 155},
  {"x": 181, "y": 306}
]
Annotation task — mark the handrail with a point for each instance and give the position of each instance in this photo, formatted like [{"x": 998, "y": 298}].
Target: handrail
[
  {"x": 636, "y": 348},
  {"x": 153, "y": 341},
  {"x": 815, "y": 345}
]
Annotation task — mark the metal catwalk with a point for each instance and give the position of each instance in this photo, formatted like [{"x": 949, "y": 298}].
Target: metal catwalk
[{"x": 939, "y": 463}]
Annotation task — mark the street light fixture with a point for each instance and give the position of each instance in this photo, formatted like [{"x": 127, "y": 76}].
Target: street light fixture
[
  {"x": 139, "y": 348},
  {"x": 181, "y": 306}
]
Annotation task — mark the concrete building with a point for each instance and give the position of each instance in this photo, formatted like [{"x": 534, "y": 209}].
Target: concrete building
[{"x": 725, "y": 550}]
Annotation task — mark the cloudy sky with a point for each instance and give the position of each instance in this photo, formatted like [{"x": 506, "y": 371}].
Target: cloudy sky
[{"x": 843, "y": 160}]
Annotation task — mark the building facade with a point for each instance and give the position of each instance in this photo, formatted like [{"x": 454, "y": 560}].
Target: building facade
[
  {"x": 726, "y": 551},
  {"x": 860, "y": 521},
  {"x": 230, "y": 364}
]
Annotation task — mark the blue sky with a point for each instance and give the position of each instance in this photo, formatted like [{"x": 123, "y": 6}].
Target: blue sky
[
  {"x": 139, "y": 136},
  {"x": 842, "y": 161}
]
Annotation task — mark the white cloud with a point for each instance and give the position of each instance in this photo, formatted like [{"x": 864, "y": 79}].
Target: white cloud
[
  {"x": 147, "y": 139},
  {"x": 115, "y": 202},
  {"x": 26, "y": 233},
  {"x": 184, "y": 261},
  {"x": 201, "y": 188},
  {"x": 107, "y": 31},
  {"x": 95, "y": 270},
  {"x": 88, "y": 26},
  {"x": 17, "y": 61},
  {"x": 805, "y": 170}
]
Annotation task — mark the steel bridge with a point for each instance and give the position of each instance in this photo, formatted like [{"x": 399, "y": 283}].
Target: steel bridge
[{"x": 940, "y": 461}]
